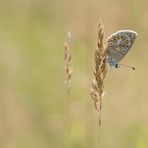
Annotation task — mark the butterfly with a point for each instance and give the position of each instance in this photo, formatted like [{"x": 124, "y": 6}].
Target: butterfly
[{"x": 118, "y": 45}]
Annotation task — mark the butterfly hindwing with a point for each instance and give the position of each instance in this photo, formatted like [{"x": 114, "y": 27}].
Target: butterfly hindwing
[{"x": 119, "y": 43}]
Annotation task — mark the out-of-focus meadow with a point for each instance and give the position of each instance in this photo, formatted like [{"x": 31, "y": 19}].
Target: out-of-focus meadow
[{"x": 35, "y": 111}]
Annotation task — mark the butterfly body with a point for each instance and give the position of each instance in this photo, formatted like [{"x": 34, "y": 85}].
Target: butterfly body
[{"x": 118, "y": 45}]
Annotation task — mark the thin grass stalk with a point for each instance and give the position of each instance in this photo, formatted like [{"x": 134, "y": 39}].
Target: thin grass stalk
[
  {"x": 68, "y": 74},
  {"x": 97, "y": 89},
  {"x": 67, "y": 60}
]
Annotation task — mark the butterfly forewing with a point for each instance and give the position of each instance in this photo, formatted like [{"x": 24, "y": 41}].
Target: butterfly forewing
[{"x": 119, "y": 43}]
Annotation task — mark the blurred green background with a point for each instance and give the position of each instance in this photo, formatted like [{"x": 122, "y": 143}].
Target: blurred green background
[{"x": 35, "y": 111}]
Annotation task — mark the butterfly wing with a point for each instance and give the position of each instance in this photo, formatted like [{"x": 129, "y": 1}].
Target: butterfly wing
[{"x": 119, "y": 43}]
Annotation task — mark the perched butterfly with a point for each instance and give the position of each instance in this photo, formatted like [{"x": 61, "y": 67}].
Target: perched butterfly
[{"x": 118, "y": 45}]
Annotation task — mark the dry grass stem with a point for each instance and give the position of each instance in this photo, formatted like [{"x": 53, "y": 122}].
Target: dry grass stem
[
  {"x": 97, "y": 89},
  {"x": 67, "y": 60}
]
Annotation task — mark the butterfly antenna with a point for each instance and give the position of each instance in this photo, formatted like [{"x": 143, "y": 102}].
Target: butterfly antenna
[{"x": 127, "y": 66}]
